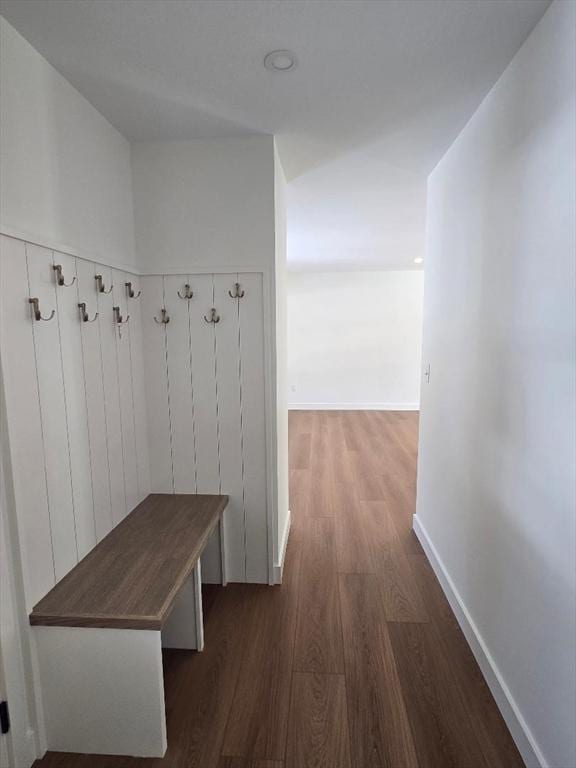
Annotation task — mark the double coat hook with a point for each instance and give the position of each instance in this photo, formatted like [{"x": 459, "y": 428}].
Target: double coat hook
[
  {"x": 188, "y": 293},
  {"x": 214, "y": 316},
  {"x": 118, "y": 319},
  {"x": 100, "y": 285},
  {"x": 164, "y": 318},
  {"x": 238, "y": 292},
  {"x": 36, "y": 309},
  {"x": 84, "y": 314},
  {"x": 130, "y": 291},
  {"x": 60, "y": 276}
]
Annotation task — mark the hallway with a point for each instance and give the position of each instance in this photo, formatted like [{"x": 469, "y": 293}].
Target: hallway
[{"x": 356, "y": 660}]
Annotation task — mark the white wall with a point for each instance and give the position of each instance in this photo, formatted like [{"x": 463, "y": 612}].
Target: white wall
[
  {"x": 65, "y": 171},
  {"x": 215, "y": 205},
  {"x": 354, "y": 339},
  {"x": 497, "y": 442},
  {"x": 281, "y": 339},
  {"x": 207, "y": 202}
]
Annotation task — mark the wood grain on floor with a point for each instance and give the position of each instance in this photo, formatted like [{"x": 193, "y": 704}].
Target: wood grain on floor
[
  {"x": 356, "y": 661},
  {"x": 318, "y": 722}
]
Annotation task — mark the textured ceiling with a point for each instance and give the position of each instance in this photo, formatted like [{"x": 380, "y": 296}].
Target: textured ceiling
[{"x": 390, "y": 80}]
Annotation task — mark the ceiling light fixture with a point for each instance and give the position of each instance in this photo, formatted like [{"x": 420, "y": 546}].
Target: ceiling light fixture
[
  {"x": 280, "y": 61},
  {"x": 418, "y": 260}
]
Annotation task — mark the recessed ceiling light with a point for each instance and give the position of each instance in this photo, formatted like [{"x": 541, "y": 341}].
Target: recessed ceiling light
[
  {"x": 418, "y": 260},
  {"x": 280, "y": 61}
]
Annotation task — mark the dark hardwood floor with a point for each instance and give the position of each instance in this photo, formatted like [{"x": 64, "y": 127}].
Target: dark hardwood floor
[{"x": 356, "y": 661}]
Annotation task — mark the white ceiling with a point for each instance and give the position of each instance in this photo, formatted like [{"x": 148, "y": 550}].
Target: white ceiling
[{"x": 381, "y": 85}]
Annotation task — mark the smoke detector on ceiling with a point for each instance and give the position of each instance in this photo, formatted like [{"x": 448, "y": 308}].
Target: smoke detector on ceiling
[{"x": 280, "y": 61}]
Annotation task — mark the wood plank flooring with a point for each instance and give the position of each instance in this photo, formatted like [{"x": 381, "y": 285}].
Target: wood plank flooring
[{"x": 356, "y": 660}]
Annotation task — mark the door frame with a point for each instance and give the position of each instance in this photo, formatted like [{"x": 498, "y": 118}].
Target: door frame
[{"x": 19, "y": 748}]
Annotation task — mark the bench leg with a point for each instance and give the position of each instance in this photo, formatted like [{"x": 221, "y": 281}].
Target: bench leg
[
  {"x": 185, "y": 626},
  {"x": 222, "y": 531},
  {"x": 103, "y": 690}
]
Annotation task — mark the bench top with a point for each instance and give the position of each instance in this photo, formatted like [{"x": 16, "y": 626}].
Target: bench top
[{"x": 132, "y": 577}]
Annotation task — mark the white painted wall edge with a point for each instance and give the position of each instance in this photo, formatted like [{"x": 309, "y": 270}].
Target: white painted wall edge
[
  {"x": 196, "y": 269},
  {"x": 354, "y": 406},
  {"x": 52, "y": 245},
  {"x": 517, "y": 726},
  {"x": 279, "y": 566}
]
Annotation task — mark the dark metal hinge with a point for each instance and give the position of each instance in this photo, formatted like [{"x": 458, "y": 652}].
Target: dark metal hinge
[{"x": 4, "y": 717}]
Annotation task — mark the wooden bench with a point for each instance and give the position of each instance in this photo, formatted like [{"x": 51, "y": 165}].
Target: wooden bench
[{"x": 100, "y": 631}]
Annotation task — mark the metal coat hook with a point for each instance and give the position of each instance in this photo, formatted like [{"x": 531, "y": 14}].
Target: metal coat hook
[
  {"x": 164, "y": 317},
  {"x": 60, "y": 277},
  {"x": 214, "y": 317},
  {"x": 84, "y": 314},
  {"x": 130, "y": 291},
  {"x": 238, "y": 292},
  {"x": 118, "y": 317},
  {"x": 188, "y": 293},
  {"x": 100, "y": 285},
  {"x": 37, "y": 314}
]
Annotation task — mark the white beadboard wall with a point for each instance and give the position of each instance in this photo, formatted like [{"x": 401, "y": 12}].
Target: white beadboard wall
[
  {"x": 205, "y": 391},
  {"x": 76, "y": 420},
  {"x": 83, "y": 397}
]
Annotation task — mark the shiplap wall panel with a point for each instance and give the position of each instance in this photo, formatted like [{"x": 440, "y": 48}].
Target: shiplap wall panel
[
  {"x": 230, "y": 422},
  {"x": 83, "y": 398},
  {"x": 125, "y": 390},
  {"x": 139, "y": 396},
  {"x": 204, "y": 379},
  {"x": 181, "y": 386},
  {"x": 254, "y": 425},
  {"x": 75, "y": 401},
  {"x": 53, "y": 411},
  {"x": 108, "y": 334},
  {"x": 94, "y": 382},
  {"x": 156, "y": 380},
  {"x": 23, "y": 422},
  {"x": 203, "y": 339}
]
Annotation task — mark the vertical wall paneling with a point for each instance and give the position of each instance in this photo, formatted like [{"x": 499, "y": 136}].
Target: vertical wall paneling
[
  {"x": 75, "y": 403},
  {"x": 204, "y": 364},
  {"x": 95, "y": 409},
  {"x": 23, "y": 422},
  {"x": 53, "y": 410},
  {"x": 203, "y": 345},
  {"x": 156, "y": 379},
  {"x": 111, "y": 396},
  {"x": 230, "y": 421},
  {"x": 181, "y": 385},
  {"x": 138, "y": 394},
  {"x": 85, "y": 448},
  {"x": 122, "y": 339},
  {"x": 254, "y": 425}
]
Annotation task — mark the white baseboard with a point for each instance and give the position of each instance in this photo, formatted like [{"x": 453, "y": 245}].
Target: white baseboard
[
  {"x": 510, "y": 711},
  {"x": 353, "y": 406},
  {"x": 279, "y": 567}
]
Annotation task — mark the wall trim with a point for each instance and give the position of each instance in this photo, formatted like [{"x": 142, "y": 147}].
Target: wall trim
[
  {"x": 68, "y": 250},
  {"x": 510, "y": 711},
  {"x": 353, "y": 406},
  {"x": 279, "y": 566},
  {"x": 133, "y": 269}
]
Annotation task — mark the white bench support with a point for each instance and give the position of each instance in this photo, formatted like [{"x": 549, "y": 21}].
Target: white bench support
[
  {"x": 103, "y": 690},
  {"x": 185, "y": 625}
]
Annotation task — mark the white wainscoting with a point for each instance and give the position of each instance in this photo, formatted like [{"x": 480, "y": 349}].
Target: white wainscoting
[
  {"x": 75, "y": 407},
  {"x": 205, "y": 392},
  {"x": 82, "y": 398}
]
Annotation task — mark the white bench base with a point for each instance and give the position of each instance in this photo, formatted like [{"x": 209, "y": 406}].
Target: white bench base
[{"x": 102, "y": 690}]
